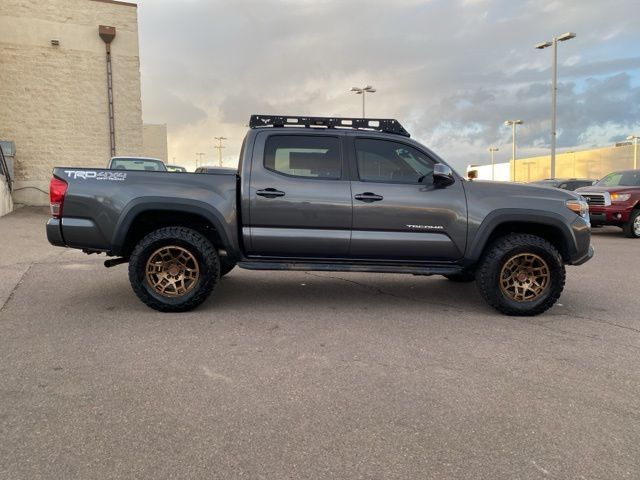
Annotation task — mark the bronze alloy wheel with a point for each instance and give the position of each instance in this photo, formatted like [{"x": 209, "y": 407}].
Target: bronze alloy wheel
[
  {"x": 172, "y": 271},
  {"x": 524, "y": 277}
]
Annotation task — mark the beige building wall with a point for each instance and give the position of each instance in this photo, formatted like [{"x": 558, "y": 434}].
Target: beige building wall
[
  {"x": 593, "y": 164},
  {"x": 154, "y": 141},
  {"x": 53, "y": 99}
]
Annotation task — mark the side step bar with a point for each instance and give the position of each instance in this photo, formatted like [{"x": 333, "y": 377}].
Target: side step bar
[{"x": 353, "y": 267}]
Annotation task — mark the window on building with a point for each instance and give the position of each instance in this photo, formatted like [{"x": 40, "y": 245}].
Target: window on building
[{"x": 304, "y": 156}]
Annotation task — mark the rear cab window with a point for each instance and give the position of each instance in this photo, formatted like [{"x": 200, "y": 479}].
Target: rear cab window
[{"x": 315, "y": 157}]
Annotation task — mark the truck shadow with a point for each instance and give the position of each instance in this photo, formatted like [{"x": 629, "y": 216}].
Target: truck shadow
[{"x": 308, "y": 291}]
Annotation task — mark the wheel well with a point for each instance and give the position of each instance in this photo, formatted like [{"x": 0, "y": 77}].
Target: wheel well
[
  {"x": 151, "y": 220},
  {"x": 550, "y": 233}
]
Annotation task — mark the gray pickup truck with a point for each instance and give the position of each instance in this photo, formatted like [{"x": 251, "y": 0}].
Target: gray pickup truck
[{"x": 329, "y": 194}]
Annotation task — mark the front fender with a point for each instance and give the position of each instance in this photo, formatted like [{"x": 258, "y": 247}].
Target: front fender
[{"x": 478, "y": 241}]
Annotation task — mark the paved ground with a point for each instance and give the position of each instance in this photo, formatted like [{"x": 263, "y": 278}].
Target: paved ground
[{"x": 309, "y": 376}]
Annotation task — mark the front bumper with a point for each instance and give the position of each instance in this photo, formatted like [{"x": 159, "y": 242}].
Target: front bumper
[
  {"x": 585, "y": 258},
  {"x": 609, "y": 215},
  {"x": 582, "y": 250}
]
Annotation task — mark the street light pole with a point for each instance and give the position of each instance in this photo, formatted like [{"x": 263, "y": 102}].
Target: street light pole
[
  {"x": 493, "y": 170},
  {"x": 362, "y": 91},
  {"x": 219, "y": 147},
  {"x": 512, "y": 124},
  {"x": 635, "y": 150},
  {"x": 554, "y": 91}
]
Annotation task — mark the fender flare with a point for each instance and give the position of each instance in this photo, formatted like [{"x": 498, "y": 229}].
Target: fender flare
[
  {"x": 145, "y": 204},
  {"x": 519, "y": 215}
]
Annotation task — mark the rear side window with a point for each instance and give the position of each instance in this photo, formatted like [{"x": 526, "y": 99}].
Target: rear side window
[{"x": 304, "y": 156}]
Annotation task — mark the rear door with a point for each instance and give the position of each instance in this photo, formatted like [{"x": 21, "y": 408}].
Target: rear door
[
  {"x": 300, "y": 197},
  {"x": 397, "y": 211}
]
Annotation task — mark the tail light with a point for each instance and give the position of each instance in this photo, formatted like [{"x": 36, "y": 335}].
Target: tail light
[{"x": 57, "y": 190}]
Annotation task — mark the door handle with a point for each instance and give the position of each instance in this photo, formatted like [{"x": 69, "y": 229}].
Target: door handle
[
  {"x": 270, "y": 193},
  {"x": 368, "y": 197}
]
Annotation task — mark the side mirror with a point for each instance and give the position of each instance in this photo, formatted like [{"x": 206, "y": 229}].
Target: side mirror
[{"x": 442, "y": 176}]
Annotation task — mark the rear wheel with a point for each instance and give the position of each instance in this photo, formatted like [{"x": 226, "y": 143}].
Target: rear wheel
[
  {"x": 521, "y": 275},
  {"x": 174, "y": 269},
  {"x": 631, "y": 229}
]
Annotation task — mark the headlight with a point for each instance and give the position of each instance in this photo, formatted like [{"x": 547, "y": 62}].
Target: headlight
[
  {"x": 580, "y": 207},
  {"x": 620, "y": 197}
]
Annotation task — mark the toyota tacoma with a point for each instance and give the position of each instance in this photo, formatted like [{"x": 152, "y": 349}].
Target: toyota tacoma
[{"x": 328, "y": 194}]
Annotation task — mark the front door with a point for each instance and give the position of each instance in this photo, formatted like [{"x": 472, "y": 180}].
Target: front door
[
  {"x": 300, "y": 198},
  {"x": 397, "y": 211}
]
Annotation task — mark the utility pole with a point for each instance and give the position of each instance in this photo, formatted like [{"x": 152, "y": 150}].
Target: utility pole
[
  {"x": 199, "y": 155},
  {"x": 219, "y": 147}
]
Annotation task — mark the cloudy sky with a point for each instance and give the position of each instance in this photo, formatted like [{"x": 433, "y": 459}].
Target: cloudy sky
[{"x": 450, "y": 70}]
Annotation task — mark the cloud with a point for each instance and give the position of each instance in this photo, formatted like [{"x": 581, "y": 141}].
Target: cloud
[{"x": 451, "y": 71}]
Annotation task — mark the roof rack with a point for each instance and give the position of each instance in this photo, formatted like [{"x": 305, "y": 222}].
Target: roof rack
[{"x": 386, "y": 125}]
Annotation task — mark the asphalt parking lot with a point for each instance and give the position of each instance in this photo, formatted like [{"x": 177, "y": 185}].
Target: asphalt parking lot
[{"x": 313, "y": 375}]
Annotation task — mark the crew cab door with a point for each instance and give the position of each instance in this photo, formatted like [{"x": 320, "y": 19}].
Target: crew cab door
[
  {"x": 398, "y": 213},
  {"x": 300, "y": 197}
]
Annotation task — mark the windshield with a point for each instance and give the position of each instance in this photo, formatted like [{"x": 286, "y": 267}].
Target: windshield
[
  {"x": 138, "y": 164},
  {"x": 621, "y": 179}
]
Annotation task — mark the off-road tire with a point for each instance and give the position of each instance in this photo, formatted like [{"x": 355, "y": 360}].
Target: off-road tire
[
  {"x": 461, "y": 277},
  {"x": 226, "y": 267},
  {"x": 194, "y": 242},
  {"x": 499, "y": 253},
  {"x": 628, "y": 229}
]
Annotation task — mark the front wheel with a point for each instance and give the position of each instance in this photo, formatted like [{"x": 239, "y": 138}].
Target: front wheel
[
  {"x": 521, "y": 275},
  {"x": 174, "y": 269},
  {"x": 631, "y": 229}
]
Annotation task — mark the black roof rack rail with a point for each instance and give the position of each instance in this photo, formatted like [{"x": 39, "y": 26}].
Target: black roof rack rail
[{"x": 386, "y": 125}]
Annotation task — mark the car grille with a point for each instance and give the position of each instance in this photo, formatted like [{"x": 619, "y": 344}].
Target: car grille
[{"x": 599, "y": 199}]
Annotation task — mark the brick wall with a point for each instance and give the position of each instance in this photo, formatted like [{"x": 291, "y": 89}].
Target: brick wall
[{"x": 53, "y": 99}]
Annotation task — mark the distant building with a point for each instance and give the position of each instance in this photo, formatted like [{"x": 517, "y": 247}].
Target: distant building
[
  {"x": 154, "y": 141},
  {"x": 53, "y": 87},
  {"x": 594, "y": 163}
]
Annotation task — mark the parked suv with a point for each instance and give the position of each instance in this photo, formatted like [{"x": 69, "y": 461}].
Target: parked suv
[
  {"x": 349, "y": 195},
  {"x": 564, "y": 183},
  {"x": 615, "y": 200}
]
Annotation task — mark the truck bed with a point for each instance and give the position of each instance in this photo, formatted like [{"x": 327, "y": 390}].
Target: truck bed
[{"x": 100, "y": 204}]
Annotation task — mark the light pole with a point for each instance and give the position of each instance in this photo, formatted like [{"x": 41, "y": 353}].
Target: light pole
[
  {"x": 199, "y": 155},
  {"x": 512, "y": 124},
  {"x": 219, "y": 147},
  {"x": 554, "y": 91},
  {"x": 362, "y": 91},
  {"x": 635, "y": 150},
  {"x": 493, "y": 171}
]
